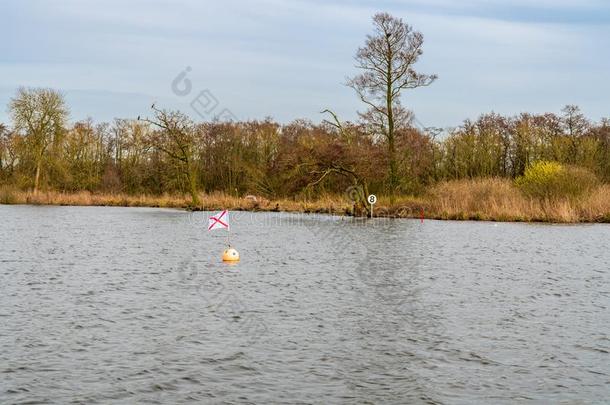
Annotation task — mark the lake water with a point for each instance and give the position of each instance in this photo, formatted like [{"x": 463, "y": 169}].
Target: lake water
[{"x": 126, "y": 305}]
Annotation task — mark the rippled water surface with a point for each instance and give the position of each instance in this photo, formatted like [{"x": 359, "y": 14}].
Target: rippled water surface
[{"x": 127, "y": 305}]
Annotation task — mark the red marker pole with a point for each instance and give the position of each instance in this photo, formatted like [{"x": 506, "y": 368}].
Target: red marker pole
[{"x": 421, "y": 215}]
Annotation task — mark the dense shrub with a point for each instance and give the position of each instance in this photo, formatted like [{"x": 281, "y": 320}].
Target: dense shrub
[{"x": 551, "y": 180}]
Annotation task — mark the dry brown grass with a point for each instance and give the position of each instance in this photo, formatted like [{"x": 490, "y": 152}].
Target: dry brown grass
[
  {"x": 485, "y": 199},
  {"x": 215, "y": 201},
  {"x": 85, "y": 198},
  {"x": 480, "y": 199},
  {"x": 500, "y": 200}
]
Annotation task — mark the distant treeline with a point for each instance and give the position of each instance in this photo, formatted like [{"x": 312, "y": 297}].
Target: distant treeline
[{"x": 169, "y": 153}]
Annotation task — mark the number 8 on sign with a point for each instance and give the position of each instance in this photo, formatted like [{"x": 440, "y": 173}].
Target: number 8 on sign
[{"x": 372, "y": 199}]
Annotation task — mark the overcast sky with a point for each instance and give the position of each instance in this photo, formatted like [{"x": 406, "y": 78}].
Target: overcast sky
[{"x": 289, "y": 59}]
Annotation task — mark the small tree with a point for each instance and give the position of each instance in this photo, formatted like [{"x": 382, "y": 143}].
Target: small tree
[
  {"x": 387, "y": 61},
  {"x": 4, "y": 141},
  {"x": 5, "y": 153},
  {"x": 41, "y": 115}
]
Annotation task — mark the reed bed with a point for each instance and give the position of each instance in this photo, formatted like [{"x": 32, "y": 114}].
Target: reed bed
[
  {"x": 477, "y": 199},
  {"x": 500, "y": 200}
]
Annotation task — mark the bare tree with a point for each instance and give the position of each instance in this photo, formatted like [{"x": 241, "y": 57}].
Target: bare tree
[
  {"x": 575, "y": 123},
  {"x": 387, "y": 60},
  {"x": 41, "y": 114},
  {"x": 358, "y": 192},
  {"x": 176, "y": 138},
  {"x": 575, "y": 126}
]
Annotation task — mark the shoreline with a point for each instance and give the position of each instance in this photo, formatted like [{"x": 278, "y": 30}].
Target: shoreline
[{"x": 435, "y": 207}]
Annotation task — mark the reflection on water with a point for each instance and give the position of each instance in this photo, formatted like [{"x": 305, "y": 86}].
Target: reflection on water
[{"x": 103, "y": 305}]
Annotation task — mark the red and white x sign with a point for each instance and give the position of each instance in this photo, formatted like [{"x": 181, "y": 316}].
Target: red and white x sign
[{"x": 219, "y": 221}]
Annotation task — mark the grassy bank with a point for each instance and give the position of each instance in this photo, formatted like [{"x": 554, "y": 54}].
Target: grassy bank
[
  {"x": 483, "y": 199},
  {"x": 216, "y": 201}
]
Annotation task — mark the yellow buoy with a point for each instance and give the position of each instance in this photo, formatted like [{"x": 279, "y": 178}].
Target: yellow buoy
[{"x": 230, "y": 255}]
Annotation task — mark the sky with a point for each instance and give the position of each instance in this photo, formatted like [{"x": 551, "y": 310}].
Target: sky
[{"x": 290, "y": 59}]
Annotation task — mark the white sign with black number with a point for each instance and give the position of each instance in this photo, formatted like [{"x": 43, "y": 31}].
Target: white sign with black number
[{"x": 372, "y": 199}]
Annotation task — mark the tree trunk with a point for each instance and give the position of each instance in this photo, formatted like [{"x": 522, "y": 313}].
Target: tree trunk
[
  {"x": 37, "y": 177},
  {"x": 393, "y": 165},
  {"x": 391, "y": 141},
  {"x": 390, "y": 111},
  {"x": 192, "y": 184}
]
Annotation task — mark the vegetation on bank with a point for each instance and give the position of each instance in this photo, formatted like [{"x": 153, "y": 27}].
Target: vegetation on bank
[
  {"x": 530, "y": 167},
  {"x": 488, "y": 199}
]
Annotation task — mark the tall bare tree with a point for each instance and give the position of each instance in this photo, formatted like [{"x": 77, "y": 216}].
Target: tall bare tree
[
  {"x": 387, "y": 62},
  {"x": 41, "y": 114}
]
